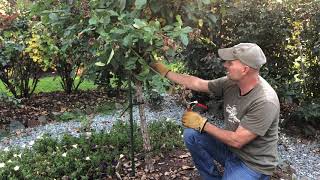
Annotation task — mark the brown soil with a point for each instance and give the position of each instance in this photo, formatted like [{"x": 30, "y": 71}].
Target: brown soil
[{"x": 177, "y": 164}]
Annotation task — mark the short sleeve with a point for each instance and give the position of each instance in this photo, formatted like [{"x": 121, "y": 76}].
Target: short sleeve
[
  {"x": 260, "y": 117},
  {"x": 216, "y": 86}
]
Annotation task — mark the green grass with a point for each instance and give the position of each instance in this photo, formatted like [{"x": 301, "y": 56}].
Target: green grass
[
  {"x": 52, "y": 84},
  {"x": 3, "y": 88}
]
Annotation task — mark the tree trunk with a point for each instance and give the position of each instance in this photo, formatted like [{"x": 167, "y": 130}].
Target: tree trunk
[{"x": 144, "y": 128}]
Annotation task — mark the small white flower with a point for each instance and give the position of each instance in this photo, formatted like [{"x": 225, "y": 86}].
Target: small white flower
[
  {"x": 88, "y": 158},
  {"x": 75, "y": 145},
  {"x": 40, "y": 136},
  {"x": 64, "y": 154},
  {"x": 23, "y": 146},
  {"x": 121, "y": 156},
  {"x": 31, "y": 143},
  {"x": 6, "y": 149},
  {"x": 2, "y": 165},
  {"x": 16, "y": 168},
  {"x": 17, "y": 155},
  {"x": 9, "y": 161}
]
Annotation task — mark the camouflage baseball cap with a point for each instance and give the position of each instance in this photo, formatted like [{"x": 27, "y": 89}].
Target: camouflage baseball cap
[{"x": 248, "y": 53}]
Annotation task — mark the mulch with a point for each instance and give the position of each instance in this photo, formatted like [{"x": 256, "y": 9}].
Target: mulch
[
  {"x": 176, "y": 164},
  {"x": 31, "y": 111}
]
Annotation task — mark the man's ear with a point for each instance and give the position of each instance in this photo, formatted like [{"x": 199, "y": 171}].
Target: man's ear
[{"x": 246, "y": 69}]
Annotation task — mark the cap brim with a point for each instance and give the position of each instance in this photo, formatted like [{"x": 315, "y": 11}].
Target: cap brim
[{"x": 226, "y": 54}]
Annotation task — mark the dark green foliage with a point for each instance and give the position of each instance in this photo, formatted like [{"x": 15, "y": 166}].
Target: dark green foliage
[
  {"x": 165, "y": 135},
  {"x": 71, "y": 48},
  {"x": 201, "y": 59},
  {"x": 310, "y": 36},
  {"x": 18, "y": 72},
  {"x": 92, "y": 156},
  {"x": 124, "y": 36},
  {"x": 4, "y": 98},
  {"x": 287, "y": 32},
  {"x": 308, "y": 113}
]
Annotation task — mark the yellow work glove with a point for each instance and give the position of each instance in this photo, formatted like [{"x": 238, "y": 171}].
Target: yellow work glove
[
  {"x": 194, "y": 120},
  {"x": 160, "y": 68}
]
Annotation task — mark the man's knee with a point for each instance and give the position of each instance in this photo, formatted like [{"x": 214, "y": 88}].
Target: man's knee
[{"x": 190, "y": 136}]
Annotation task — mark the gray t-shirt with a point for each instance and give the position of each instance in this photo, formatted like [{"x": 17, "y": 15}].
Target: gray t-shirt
[{"x": 257, "y": 111}]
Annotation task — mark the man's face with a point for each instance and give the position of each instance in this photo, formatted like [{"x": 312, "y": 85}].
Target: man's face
[{"x": 235, "y": 69}]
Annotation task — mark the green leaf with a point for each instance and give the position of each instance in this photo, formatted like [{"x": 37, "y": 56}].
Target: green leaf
[
  {"x": 53, "y": 16},
  {"x": 168, "y": 28},
  {"x": 155, "y": 6},
  {"x": 143, "y": 75},
  {"x": 159, "y": 83},
  {"x": 67, "y": 33},
  {"x": 103, "y": 34},
  {"x": 140, "y": 3},
  {"x": 88, "y": 29},
  {"x": 206, "y": 2},
  {"x": 184, "y": 39},
  {"x": 101, "y": 64},
  {"x": 130, "y": 64},
  {"x": 138, "y": 23},
  {"x": 122, "y": 4},
  {"x": 110, "y": 56},
  {"x": 118, "y": 31},
  {"x": 105, "y": 20},
  {"x": 127, "y": 41},
  {"x": 113, "y": 13},
  {"x": 178, "y": 17},
  {"x": 212, "y": 18},
  {"x": 93, "y": 20},
  {"x": 186, "y": 30}
]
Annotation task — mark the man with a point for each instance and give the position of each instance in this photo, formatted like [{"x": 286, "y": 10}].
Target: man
[{"x": 247, "y": 146}]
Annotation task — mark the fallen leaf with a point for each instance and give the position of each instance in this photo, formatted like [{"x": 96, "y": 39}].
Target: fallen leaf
[
  {"x": 184, "y": 167},
  {"x": 184, "y": 155}
]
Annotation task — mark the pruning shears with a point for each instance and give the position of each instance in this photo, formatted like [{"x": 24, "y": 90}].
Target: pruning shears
[{"x": 193, "y": 104}]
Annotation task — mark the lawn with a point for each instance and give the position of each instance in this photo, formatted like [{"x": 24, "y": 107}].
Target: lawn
[{"x": 52, "y": 84}]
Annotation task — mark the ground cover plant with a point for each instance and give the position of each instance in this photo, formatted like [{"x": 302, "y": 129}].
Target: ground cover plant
[{"x": 92, "y": 156}]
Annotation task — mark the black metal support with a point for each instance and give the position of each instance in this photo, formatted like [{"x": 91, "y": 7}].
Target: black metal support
[{"x": 131, "y": 126}]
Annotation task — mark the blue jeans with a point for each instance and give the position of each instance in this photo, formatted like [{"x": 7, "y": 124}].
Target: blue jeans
[{"x": 204, "y": 149}]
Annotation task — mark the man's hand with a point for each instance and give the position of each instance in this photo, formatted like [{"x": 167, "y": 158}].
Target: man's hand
[
  {"x": 193, "y": 120},
  {"x": 160, "y": 68}
]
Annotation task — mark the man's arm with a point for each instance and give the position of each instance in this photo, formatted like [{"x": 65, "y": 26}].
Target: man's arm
[
  {"x": 236, "y": 139},
  {"x": 190, "y": 82}
]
